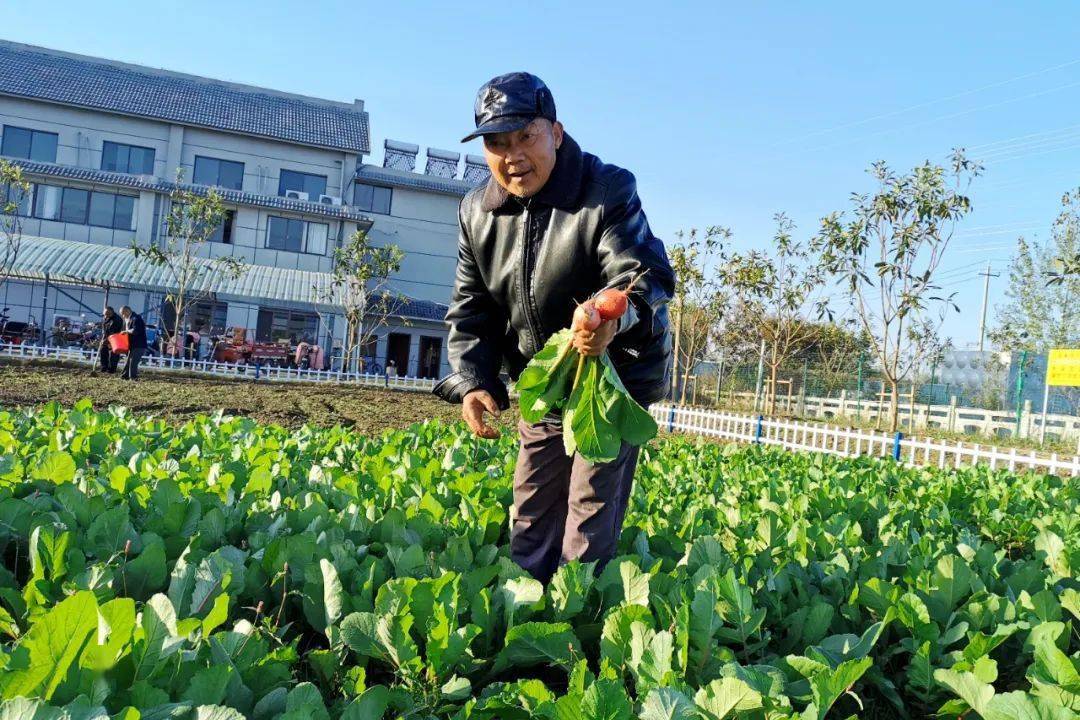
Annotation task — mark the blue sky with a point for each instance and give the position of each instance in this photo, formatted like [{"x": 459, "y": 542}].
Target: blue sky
[{"x": 726, "y": 113}]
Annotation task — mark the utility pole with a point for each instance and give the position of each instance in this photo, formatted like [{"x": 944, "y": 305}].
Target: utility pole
[{"x": 985, "y": 302}]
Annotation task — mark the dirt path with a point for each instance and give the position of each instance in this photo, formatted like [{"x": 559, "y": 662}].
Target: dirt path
[{"x": 178, "y": 397}]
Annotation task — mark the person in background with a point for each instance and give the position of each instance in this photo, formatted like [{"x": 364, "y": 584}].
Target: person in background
[
  {"x": 111, "y": 324},
  {"x": 391, "y": 369},
  {"x": 135, "y": 329}
]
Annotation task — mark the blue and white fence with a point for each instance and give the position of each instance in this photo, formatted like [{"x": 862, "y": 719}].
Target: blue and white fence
[
  {"x": 223, "y": 370},
  {"x": 848, "y": 442}
]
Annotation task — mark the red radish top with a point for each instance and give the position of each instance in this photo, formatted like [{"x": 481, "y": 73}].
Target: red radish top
[{"x": 611, "y": 304}]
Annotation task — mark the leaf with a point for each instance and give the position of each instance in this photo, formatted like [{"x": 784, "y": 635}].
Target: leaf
[
  {"x": 457, "y": 688},
  {"x": 56, "y": 467},
  {"x": 829, "y": 685},
  {"x": 360, "y": 633},
  {"x": 655, "y": 667},
  {"x": 158, "y": 623},
  {"x": 146, "y": 573},
  {"x": 536, "y": 643},
  {"x": 616, "y": 637},
  {"x": 724, "y": 697},
  {"x": 635, "y": 584},
  {"x": 371, "y": 705},
  {"x": 115, "y": 628},
  {"x": 968, "y": 688},
  {"x": 606, "y": 700},
  {"x": 50, "y": 647},
  {"x": 216, "y": 712},
  {"x": 1021, "y": 706},
  {"x": 595, "y": 437},
  {"x": 667, "y": 704},
  {"x": 21, "y": 708},
  {"x": 333, "y": 595},
  {"x": 207, "y": 686},
  {"x": 569, "y": 588}
]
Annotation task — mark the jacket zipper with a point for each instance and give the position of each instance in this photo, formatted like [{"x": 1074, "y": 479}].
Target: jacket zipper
[{"x": 526, "y": 280}]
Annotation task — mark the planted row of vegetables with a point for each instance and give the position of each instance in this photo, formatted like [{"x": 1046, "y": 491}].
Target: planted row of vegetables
[{"x": 224, "y": 569}]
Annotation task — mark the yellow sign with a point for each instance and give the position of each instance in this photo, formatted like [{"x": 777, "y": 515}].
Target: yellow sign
[{"x": 1063, "y": 367}]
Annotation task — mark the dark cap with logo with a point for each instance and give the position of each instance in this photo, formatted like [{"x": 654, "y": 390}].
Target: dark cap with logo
[{"x": 510, "y": 102}]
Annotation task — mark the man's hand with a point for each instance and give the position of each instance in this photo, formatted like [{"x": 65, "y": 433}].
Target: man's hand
[
  {"x": 593, "y": 342},
  {"x": 473, "y": 407}
]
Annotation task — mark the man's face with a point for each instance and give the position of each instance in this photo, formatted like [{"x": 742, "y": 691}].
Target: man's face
[
  {"x": 522, "y": 161},
  {"x": 125, "y": 314}
]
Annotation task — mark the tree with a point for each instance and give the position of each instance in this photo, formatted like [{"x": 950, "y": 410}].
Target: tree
[
  {"x": 192, "y": 219},
  {"x": 14, "y": 191},
  {"x": 1038, "y": 314},
  {"x": 886, "y": 255},
  {"x": 834, "y": 349},
  {"x": 775, "y": 291},
  {"x": 360, "y": 285},
  {"x": 699, "y": 300}
]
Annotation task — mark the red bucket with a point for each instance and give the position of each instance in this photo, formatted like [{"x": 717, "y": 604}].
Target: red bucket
[{"x": 118, "y": 343}]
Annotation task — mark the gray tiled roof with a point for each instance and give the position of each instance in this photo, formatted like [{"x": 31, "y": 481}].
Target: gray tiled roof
[
  {"x": 421, "y": 309},
  {"x": 234, "y": 197},
  {"x": 34, "y": 72},
  {"x": 400, "y": 178}
]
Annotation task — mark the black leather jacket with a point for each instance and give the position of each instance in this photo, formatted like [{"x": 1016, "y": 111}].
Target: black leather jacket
[{"x": 523, "y": 263}]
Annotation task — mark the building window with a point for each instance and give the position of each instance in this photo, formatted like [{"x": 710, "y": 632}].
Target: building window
[
  {"x": 291, "y": 325},
  {"x": 83, "y": 207},
  {"x": 132, "y": 159},
  {"x": 296, "y": 235},
  {"x": 223, "y": 233},
  {"x": 313, "y": 185},
  {"x": 112, "y": 211},
  {"x": 372, "y": 198},
  {"x": 29, "y": 144},
  {"x": 47, "y": 202},
  {"x": 74, "y": 205},
  {"x": 222, "y": 173},
  {"x": 207, "y": 316}
]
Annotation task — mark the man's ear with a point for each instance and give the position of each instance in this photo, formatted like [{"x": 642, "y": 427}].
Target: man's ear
[{"x": 557, "y": 131}]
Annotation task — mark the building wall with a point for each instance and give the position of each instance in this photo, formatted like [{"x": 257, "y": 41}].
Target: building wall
[{"x": 424, "y": 225}]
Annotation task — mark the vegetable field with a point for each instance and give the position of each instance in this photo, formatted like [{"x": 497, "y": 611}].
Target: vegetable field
[{"x": 222, "y": 569}]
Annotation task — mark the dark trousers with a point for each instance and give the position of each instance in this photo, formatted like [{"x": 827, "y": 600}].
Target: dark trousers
[
  {"x": 566, "y": 507},
  {"x": 107, "y": 359},
  {"x": 131, "y": 364}
]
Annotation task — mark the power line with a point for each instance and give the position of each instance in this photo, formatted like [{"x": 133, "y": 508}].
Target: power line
[
  {"x": 997, "y": 161},
  {"x": 917, "y": 106},
  {"x": 1007, "y": 141},
  {"x": 940, "y": 118},
  {"x": 1028, "y": 147}
]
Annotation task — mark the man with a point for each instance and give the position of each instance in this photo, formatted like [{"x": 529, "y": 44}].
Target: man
[
  {"x": 110, "y": 325},
  {"x": 135, "y": 329},
  {"x": 551, "y": 227}
]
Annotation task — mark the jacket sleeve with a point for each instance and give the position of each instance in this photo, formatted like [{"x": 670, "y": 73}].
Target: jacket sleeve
[
  {"x": 477, "y": 325},
  {"x": 628, "y": 249}
]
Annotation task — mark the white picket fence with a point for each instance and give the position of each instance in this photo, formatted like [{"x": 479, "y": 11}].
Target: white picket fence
[
  {"x": 223, "y": 370},
  {"x": 848, "y": 442}
]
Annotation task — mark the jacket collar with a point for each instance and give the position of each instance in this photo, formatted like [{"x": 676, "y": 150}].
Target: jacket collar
[{"x": 561, "y": 190}]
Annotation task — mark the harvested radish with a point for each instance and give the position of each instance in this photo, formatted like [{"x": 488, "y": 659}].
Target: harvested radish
[
  {"x": 611, "y": 304},
  {"x": 586, "y": 317}
]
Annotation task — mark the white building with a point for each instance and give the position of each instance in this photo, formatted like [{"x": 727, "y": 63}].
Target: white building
[{"x": 102, "y": 141}]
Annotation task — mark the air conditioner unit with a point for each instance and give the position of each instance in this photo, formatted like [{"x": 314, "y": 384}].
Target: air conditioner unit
[
  {"x": 297, "y": 195},
  {"x": 329, "y": 200}
]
